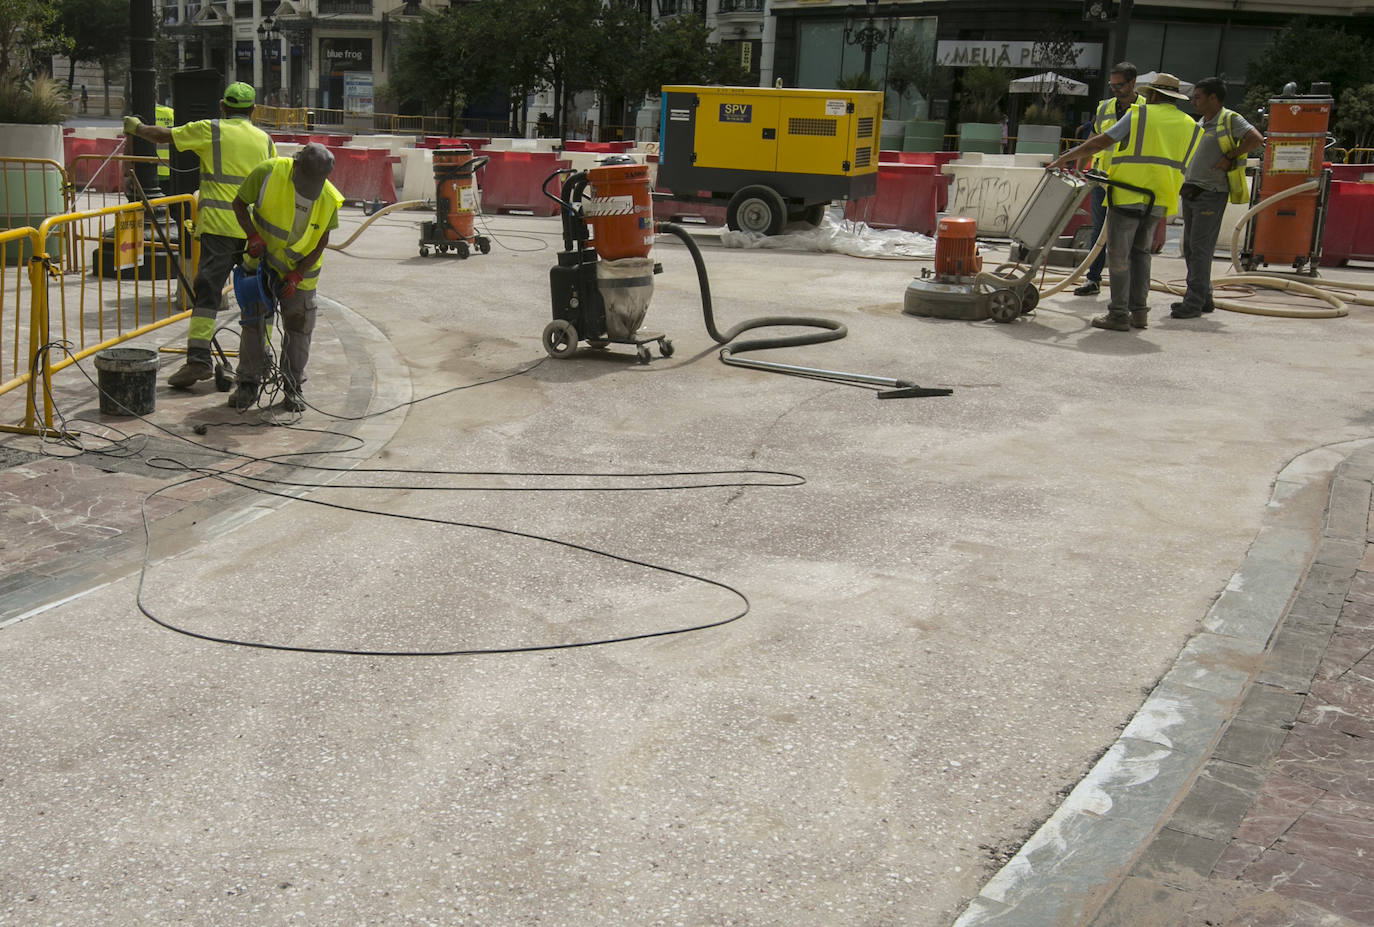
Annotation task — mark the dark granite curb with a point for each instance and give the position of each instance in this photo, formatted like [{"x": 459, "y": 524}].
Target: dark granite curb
[{"x": 1149, "y": 822}]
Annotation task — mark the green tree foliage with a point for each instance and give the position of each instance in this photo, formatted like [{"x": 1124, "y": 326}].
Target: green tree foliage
[
  {"x": 566, "y": 46},
  {"x": 1355, "y": 125},
  {"x": 912, "y": 65},
  {"x": 99, "y": 32},
  {"x": 678, "y": 52},
  {"x": 1056, "y": 52},
  {"x": 984, "y": 89},
  {"x": 29, "y": 32},
  {"x": 1304, "y": 53}
]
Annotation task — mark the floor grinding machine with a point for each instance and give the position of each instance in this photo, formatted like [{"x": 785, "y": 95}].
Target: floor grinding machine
[
  {"x": 455, "y": 205},
  {"x": 604, "y": 278},
  {"x": 958, "y": 287}
]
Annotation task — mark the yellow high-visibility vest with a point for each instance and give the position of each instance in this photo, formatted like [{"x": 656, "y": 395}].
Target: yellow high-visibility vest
[
  {"x": 163, "y": 116},
  {"x": 1158, "y": 149},
  {"x": 228, "y": 149},
  {"x": 273, "y": 213},
  {"x": 1103, "y": 120}
]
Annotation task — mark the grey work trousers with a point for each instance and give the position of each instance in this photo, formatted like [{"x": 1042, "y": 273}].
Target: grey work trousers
[
  {"x": 1130, "y": 232},
  {"x": 218, "y": 255},
  {"x": 1202, "y": 216},
  {"x": 297, "y": 325}
]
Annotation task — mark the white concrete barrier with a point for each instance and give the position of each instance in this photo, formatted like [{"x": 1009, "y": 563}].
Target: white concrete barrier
[
  {"x": 418, "y": 164},
  {"x": 992, "y": 189}
]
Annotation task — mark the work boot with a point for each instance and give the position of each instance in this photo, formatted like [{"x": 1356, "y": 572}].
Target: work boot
[
  {"x": 1183, "y": 313},
  {"x": 1114, "y": 321},
  {"x": 189, "y": 374},
  {"x": 292, "y": 400},
  {"x": 1088, "y": 288},
  {"x": 1140, "y": 318},
  {"x": 244, "y": 396}
]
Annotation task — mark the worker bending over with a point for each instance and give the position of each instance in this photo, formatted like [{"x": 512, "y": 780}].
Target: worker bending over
[
  {"x": 228, "y": 148},
  {"x": 1159, "y": 142},
  {"x": 285, "y": 208}
]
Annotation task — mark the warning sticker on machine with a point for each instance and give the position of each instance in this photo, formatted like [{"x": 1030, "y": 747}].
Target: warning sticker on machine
[
  {"x": 467, "y": 198},
  {"x": 680, "y": 115},
  {"x": 835, "y": 107},
  {"x": 609, "y": 206},
  {"x": 1291, "y": 158}
]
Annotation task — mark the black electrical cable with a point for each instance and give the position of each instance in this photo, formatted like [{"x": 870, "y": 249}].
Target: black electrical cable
[{"x": 251, "y": 483}]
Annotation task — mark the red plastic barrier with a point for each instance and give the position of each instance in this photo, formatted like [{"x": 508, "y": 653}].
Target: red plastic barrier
[
  {"x": 1352, "y": 173},
  {"x": 598, "y": 147},
  {"x": 1349, "y": 230},
  {"x": 364, "y": 174},
  {"x": 110, "y": 178},
  {"x": 907, "y": 198},
  {"x": 513, "y": 181}
]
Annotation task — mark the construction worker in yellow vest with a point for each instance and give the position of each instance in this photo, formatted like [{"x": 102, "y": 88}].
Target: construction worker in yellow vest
[
  {"x": 165, "y": 117},
  {"x": 1121, "y": 83},
  {"x": 228, "y": 148},
  {"x": 1160, "y": 140},
  {"x": 286, "y": 209}
]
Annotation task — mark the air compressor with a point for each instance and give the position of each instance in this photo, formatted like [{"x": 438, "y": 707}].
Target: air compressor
[
  {"x": 1290, "y": 233},
  {"x": 604, "y": 278},
  {"x": 455, "y": 205}
]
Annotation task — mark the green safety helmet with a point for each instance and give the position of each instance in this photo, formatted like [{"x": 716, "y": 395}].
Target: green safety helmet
[{"x": 239, "y": 95}]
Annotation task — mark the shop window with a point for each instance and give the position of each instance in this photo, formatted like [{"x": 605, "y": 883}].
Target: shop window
[
  {"x": 1190, "y": 50},
  {"x": 1145, "y": 45}
]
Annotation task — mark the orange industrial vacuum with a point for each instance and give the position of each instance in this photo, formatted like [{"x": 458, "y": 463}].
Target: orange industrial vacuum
[
  {"x": 455, "y": 204},
  {"x": 1290, "y": 232}
]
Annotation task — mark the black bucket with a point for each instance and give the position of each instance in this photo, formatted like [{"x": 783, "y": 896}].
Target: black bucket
[{"x": 127, "y": 378}]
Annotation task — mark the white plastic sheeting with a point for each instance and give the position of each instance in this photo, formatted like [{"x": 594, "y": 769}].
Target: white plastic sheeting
[{"x": 844, "y": 237}]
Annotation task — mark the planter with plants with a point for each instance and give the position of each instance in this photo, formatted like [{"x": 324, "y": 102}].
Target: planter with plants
[
  {"x": 980, "y": 109},
  {"x": 911, "y": 65},
  {"x": 31, "y": 115},
  {"x": 1040, "y": 130}
]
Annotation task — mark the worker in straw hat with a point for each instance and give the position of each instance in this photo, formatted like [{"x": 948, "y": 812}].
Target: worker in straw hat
[{"x": 1160, "y": 140}]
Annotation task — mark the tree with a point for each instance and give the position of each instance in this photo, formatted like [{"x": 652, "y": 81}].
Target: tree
[
  {"x": 680, "y": 52},
  {"x": 99, "y": 31},
  {"x": 1057, "y": 53},
  {"x": 1356, "y": 123},
  {"x": 1303, "y": 53},
  {"x": 912, "y": 65},
  {"x": 29, "y": 32},
  {"x": 984, "y": 88}
]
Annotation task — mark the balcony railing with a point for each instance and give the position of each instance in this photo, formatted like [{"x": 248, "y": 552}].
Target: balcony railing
[
  {"x": 740, "y": 6},
  {"x": 343, "y": 7},
  {"x": 674, "y": 7}
]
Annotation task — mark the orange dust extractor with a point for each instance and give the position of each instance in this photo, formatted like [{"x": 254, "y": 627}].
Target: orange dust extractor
[
  {"x": 1289, "y": 233},
  {"x": 604, "y": 278},
  {"x": 455, "y": 205}
]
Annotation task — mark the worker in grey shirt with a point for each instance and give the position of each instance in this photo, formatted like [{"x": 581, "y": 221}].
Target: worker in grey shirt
[{"x": 1226, "y": 137}]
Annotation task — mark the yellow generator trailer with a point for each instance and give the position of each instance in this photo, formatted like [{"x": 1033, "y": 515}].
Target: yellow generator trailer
[{"x": 768, "y": 155}]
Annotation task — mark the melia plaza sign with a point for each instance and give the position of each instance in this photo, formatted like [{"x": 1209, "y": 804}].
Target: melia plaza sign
[{"x": 968, "y": 54}]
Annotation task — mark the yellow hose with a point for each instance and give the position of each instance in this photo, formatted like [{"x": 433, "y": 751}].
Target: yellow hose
[{"x": 404, "y": 204}]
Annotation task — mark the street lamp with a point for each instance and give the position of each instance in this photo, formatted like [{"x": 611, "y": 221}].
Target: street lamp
[
  {"x": 869, "y": 36},
  {"x": 270, "y": 37}
]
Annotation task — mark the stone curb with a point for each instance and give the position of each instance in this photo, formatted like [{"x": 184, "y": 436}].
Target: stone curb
[{"x": 1171, "y": 790}]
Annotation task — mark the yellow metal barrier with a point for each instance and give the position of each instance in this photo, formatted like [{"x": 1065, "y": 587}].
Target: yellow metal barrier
[
  {"x": 35, "y": 188},
  {"x": 1359, "y": 155},
  {"x": 82, "y": 296}
]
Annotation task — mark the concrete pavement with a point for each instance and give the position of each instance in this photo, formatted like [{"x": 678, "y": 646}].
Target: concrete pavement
[{"x": 951, "y": 622}]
